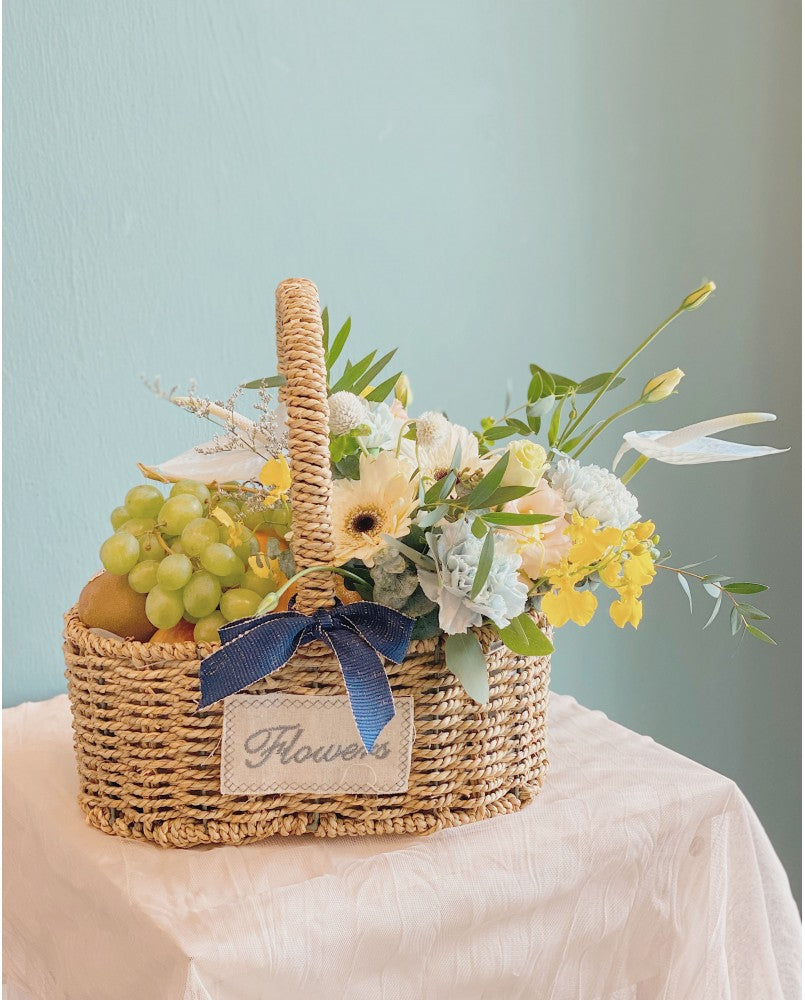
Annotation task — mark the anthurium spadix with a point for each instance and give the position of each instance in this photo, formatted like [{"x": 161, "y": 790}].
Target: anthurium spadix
[{"x": 694, "y": 444}]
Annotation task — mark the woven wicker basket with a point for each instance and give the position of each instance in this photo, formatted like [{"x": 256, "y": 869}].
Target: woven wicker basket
[{"x": 149, "y": 763}]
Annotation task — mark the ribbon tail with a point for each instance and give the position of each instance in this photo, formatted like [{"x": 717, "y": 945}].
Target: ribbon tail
[
  {"x": 253, "y": 654},
  {"x": 366, "y": 682},
  {"x": 386, "y": 630}
]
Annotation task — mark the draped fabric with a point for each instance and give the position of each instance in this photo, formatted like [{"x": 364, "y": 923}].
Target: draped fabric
[{"x": 636, "y": 874}]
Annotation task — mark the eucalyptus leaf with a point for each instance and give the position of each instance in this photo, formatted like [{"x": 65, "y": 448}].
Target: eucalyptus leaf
[
  {"x": 484, "y": 565},
  {"x": 429, "y": 518},
  {"x": 506, "y": 518},
  {"x": 749, "y": 611},
  {"x": 523, "y": 636},
  {"x": 712, "y": 589},
  {"x": 716, "y": 609},
  {"x": 465, "y": 658},
  {"x": 480, "y": 495},
  {"x": 479, "y": 529},
  {"x": 503, "y": 494},
  {"x": 270, "y": 382},
  {"x": 744, "y": 588},
  {"x": 535, "y": 387},
  {"x": 683, "y": 583},
  {"x": 735, "y": 620},
  {"x": 759, "y": 634}
]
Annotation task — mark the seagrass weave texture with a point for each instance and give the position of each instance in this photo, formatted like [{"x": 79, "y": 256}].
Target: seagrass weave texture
[{"x": 149, "y": 763}]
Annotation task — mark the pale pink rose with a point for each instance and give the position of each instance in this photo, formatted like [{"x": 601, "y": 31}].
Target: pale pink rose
[
  {"x": 541, "y": 546},
  {"x": 398, "y": 410}
]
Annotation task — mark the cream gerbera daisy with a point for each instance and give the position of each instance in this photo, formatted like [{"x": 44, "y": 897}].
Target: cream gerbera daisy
[
  {"x": 436, "y": 456},
  {"x": 379, "y": 503}
]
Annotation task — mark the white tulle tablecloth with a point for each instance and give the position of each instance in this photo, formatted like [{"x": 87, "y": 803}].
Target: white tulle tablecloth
[{"x": 635, "y": 874}]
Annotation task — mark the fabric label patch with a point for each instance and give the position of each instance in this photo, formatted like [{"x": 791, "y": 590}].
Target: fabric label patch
[{"x": 282, "y": 743}]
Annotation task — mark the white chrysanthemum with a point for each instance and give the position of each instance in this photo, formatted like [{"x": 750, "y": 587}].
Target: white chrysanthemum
[
  {"x": 432, "y": 429},
  {"x": 347, "y": 411},
  {"x": 379, "y": 503},
  {"x": 595, "y": 492}
]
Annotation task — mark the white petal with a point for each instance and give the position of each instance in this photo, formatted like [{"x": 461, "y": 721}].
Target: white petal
[
  {"x": 707, "y": 427},
  {"x": 621, "y": 452},
  {"x": 222, "y": 467},
  {"x": 653, "y": 445}
]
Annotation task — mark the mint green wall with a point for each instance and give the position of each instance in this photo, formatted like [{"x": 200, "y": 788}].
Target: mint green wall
[{"x": 486, "y": 184}]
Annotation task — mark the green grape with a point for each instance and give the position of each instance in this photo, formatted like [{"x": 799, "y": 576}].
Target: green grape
[
  {"x": 202, "y": 594},
  {"x": 150, "y": 547},
  {"x": 138, "y": 526},
  {"x": 239, "y": 603},
  {"x": 219, "y": 559},
  {"x": 174, "y": 572},
  {"x": 251, "y": 581},
  {"x": 144, "y": 576},
  {"x": 231, "y": 507},
  {"x": 233, "y": 579},
  {"x": 253, "y": 518},
  {"x": 247, "y": 544},
  {"x": 118, "y": 517},
  {"x": 198, "y": 534},
  {"x": 192, "y": 488},
  {"x": 120, "y": 553},
  {"x": 164, "y": 608},
  {"x": 144, "y": 501},
  {"x": 206, "y": 629},
  {"x": 177, "y": 512},
  {"x": 176, "y": 546},
  {"x": 190, "y": 618}
]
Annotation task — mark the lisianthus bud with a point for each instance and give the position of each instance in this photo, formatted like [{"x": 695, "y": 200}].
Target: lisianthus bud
[
  {"x": 661, "y": 387},
  {"x": 700, "y": 296},
  {"x": 402, "y": 391}
]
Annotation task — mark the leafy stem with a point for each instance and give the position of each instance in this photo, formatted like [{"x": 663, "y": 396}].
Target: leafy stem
[
  {"x": 741, "y": 614},
  {"x": 627, "y": 361}
]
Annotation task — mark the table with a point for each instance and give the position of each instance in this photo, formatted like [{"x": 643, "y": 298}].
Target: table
[{"x": 636, "y": 874}]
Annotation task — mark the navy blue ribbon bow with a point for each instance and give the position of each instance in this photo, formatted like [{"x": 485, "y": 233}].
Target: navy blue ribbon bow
[{"x": 252, "y": 648}]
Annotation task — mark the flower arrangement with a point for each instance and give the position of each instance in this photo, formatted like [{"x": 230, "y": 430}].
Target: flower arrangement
[{"x": 451, "y": 527}]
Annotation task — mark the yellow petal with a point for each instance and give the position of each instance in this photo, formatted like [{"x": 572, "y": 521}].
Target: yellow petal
[
  {"x": 610, "y": 574},
  {"x": 276, "y": 475},
  {"x": 639, "y": 570},
  {"x": 568, "y": 604},
  {"x": 626, "y": 609}
]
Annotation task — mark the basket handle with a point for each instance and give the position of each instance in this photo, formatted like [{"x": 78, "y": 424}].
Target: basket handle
[{"x": 300, "y": 355}]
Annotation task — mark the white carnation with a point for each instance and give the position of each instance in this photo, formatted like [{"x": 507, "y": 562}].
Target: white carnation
[
  {"x": 347, "y": 411},
  {"x": 595, "y": 492}
]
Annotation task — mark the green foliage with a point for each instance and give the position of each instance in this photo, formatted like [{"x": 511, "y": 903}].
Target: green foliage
[
  {"x": 523, "y": 636},
  {"x": 716, "y": 585},
  {"x": 466, "y": 660}
]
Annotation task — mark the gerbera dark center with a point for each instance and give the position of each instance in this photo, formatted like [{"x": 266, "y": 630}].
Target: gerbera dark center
[{"x": 364, "y": 523}]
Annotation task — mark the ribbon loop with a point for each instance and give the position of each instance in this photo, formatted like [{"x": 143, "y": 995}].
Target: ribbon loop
[{"x": 253, "y": 648}]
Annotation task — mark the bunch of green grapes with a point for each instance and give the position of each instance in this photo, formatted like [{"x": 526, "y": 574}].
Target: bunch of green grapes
[{"x": 189, "y": 553}]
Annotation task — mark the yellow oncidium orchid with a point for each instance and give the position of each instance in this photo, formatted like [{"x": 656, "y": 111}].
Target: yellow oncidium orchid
[
  {"x": 276, "y": 476},
  {"x": 568, "y": 604},
  {"x": 623, "y": 561}
]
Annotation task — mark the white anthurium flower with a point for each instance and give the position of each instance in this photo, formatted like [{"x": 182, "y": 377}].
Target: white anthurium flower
[
  {"x": 225, "y": 459},
  {"x": 693, "y": 445},
  {"x": 231, "y": 465}
]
